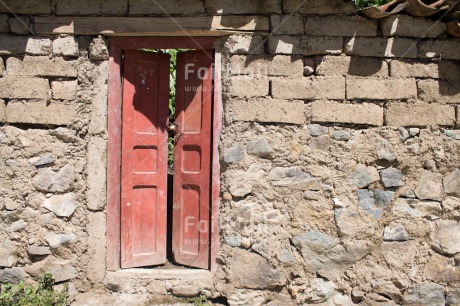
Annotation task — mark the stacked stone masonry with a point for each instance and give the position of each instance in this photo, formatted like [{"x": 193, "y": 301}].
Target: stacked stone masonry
[{"x": 340, "y": 157}]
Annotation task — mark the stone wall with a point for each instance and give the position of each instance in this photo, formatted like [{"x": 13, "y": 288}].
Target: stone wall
[{"x": 340, "y": 157}]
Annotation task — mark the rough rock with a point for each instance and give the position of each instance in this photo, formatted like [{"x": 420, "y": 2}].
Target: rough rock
[
  {"x": 412, "y": 208},
  {"x": 404, "y": 134},
  {"x": 454, "y": 134},
  {"x": 374, "y": 201},
  {"x": 453, "y": 297},
  {"x": 319, "y": 290},
  {"x": 451, "y": 183},
  {"x": 317, "y": 130},
  {"x": 358, "y": 224},
  {"x": 399, "y": 254},
  {"x": 61, "y": 205},
  {"x": 286, "y": 257},
  {"x": 414, "y": 131},
  {"x": 64, "y": 134},
  {"x": 186, "y": 291},
  {"x": 19, "y": 225},
  {"x": 259, "y": 147},
  {"x": 445, "y": 236},
  {"x": 252, "y": 271},
  {"x": 386, "y": 151},
  {"x": 395, "y": 232},
  {"x": 233, "y": 241},
  {"x": 57, "y": 240},
  {"x": 98, "y": 50},
  {"x": 38, "y": 250},
  {"x": 323, "y": 142},
  {"x": 12, "y": 276},
  {"x": 425, "y": 294},
  {"x": 326, "y": 255},
  {"x": 234, "y": 154},
  {"x": 442, "y": 269},
  {"x": 42, "y": 160},
  {"x": 11, "y": 204},
  {"x": 8, "y": 250},
  {"x": 62, "y": 270},
  {"x": 341, "y": 135},
  {"x": 391, "y": 177},
  {"x": 294, "y": 178},
  {"x": 387, "y": 289},
  {"x": 451, "y": 208},
  {"x": 430, "y": 187},
  {"x": 49, "y": 181},
  {"x": 242, "y": 182},
  {"x": 363, "y": 176}
]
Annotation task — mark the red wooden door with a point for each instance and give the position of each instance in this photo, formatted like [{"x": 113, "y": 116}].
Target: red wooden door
[
  {"x": 144, "y": 159},
  {"x": 192, "y": 159}
]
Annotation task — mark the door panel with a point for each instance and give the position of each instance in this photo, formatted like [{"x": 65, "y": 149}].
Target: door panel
[
  {"x": 144, "y": 159},
  {"x": 192, "y": 159}
]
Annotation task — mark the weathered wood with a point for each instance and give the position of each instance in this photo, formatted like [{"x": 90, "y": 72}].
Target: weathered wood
[{"x": 158, "y": 26}]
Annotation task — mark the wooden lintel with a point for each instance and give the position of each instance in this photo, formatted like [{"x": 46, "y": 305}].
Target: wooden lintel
[{"x": 154, "y": 26}]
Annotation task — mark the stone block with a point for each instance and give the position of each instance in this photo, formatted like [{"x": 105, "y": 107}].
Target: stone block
[
  {"x": 249, "y": 86},
  {"x": 381, "y": 89},
  {"x": 65, "y": 46},
  {"x": 439, "y": 91},
  {"x": 40, "y": 113},
  {"x": 419, "y": 114},
  {"x": 309, "y": 88},
  {"x": 62, "y": 270},
  {"x": 97, "y": 160},
  {"x": 337, "y": 112},
  {"x": 64, "y": 90},
  {"x": 425, "y": 294},
  {"x": 287, "y": 24},
  {"x": 2, "y": 111},
  {"x": 2, "y": 67},
  {"x": 356, "y": 66},
  {"x": 269, "y": 110},
  {"x": 404, "y": 25},
  {"x": 227, "y": 7},
  {"x": 444, "y": 49},
  {"x": 98, "y": 50},
  {"x": 92, "y": 7},
  {"x": 305, "y": 45},
  {"x": 4, "y": 23},
  {"x": 98, "y": 123},
  {"x": 40, "y": 66},
  {"x": 340, "y": 26},
  {"x": 164, "y": 7},
  {"x": 20, "y": 25},
  {"x": 61, "y": 205},
  {"x": 12, "y": 87},
  {"x": 96, "y": 247},
  {"x": 245, "y": 44},
  {"x": 12, "y": 45},
  {"x": 381, "y": 47},
  {"x": 27, "y": 7},
  {"x": 319, "y": 7},
  {"x": 410, "y": 68}
]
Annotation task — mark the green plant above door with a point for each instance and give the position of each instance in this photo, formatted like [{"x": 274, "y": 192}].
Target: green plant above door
[{"x": 360, "y": 4}]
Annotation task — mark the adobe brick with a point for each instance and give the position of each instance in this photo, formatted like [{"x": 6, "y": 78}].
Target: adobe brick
[
  {"x": 91, "y": 7},
  {"x": 439, "y": 91},
  {"x": 381, "y": 47},
  {"x": 404, "y": 25},
  {"x": 226, "y": 7},
  {"x": 12, "y": 87},
  {"x": 309, "y": 88},
  {"x": 305, "y": 45},
  {"x": 419, "y": 114},
  {"x": 28, "y": 7},
  {"x": 338, "y": 112},
  {"x": 2, "y": 111},
  {"x": 162, "y": 7},
  {"x": 444, "y": 49},
  {"x": 64, "y": 90},
  {"x": 13, "y": 45},
  {"x": 249, "y": 86},
  {"x": 340, "y": 26},
  {"x": 356, "y": 66},
  {"x": 287, "y": 24},
  {"x": 319, "y": 7},
  {"x": 40, "y": 66},
  {"x": 381, "y": 89},
  {"x": 40, "y": 113},
  {"x": 269, "y": 110},
  {"x": 245, "y": 44}
]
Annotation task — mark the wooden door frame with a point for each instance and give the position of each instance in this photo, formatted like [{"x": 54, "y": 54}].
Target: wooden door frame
[{"x": 116, "y": 46}]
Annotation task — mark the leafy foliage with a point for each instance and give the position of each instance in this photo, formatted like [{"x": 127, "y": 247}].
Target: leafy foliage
[
  {"x": 200, "y": 301},
  {"x": 360, "y": 4},
  {"x": 43, "y": 294}
]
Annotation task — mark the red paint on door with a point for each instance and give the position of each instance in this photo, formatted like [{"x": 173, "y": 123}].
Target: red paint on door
[
  {"x": 192, "y": 159},
  {"x": 144, "y": 159}
]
